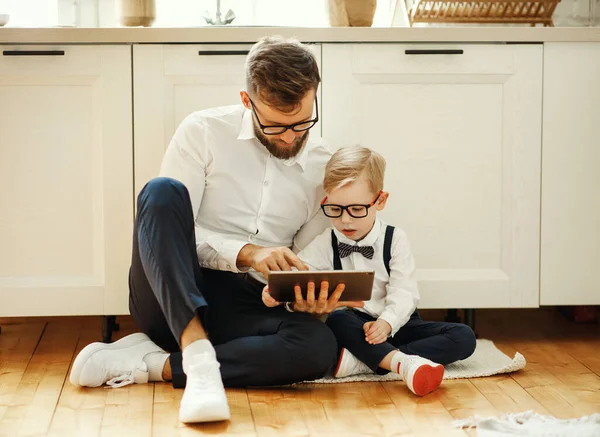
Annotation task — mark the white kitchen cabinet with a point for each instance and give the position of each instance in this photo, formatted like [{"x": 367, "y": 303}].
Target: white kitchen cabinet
[
  {"x": 66, "y": 183},
  {"x": 171, "y": 82},
  {"x": 460, "y": 127},
  {"x": 570, "y": 246}
]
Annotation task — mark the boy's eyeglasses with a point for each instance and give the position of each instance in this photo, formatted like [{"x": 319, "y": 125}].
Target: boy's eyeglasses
[
  {"x": 357, "y": 210},
  {"x": 279, "y": 129}
]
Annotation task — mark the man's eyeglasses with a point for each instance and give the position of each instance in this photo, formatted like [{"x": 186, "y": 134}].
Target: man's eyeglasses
[
  {"x": 279, "y": 129},
  {"x": 356, "y": 210}
]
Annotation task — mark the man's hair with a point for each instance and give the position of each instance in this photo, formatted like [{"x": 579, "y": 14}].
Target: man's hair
[
  {"x": 280, "y": 72},
  {"x": 349, "y": 164}
]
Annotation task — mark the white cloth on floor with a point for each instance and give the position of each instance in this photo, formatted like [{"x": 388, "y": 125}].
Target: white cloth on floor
[{"x": 532, "y": 424}]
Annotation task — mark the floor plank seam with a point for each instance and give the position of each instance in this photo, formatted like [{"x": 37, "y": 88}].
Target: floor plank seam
[
  {"x": 251, "y": 412},
  {"x": 65, "y": 381},
  {"x": 583, "y": 364},
  {"x": 152, "y": 409},
  {"x": 36, "y": 345}
]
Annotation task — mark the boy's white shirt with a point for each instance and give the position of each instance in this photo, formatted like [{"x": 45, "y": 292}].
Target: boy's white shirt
[{"x": 395, "y": 296}]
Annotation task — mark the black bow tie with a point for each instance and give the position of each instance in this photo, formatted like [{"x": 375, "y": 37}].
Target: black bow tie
[{"x": 345, "y": 250}]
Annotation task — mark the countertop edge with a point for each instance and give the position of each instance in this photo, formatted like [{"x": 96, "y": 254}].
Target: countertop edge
[{"x": 232, "y": 35}]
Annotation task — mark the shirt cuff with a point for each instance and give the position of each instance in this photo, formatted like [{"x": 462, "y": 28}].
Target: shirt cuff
[
  {"x": 228, "y": 252},
  {"x": 389, "y": 317}
]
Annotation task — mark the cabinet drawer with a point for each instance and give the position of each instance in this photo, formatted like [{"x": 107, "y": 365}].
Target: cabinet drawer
[
  {"x": 199, "y": 59},
  {"x": 54, "y": 60},
  {"x": 207, "y": 59},
  {"x": 433, "y": 58}
]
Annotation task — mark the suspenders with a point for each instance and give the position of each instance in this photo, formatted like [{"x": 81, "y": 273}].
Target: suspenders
[
  {"x": 387, "y": 249},
  {"x": 337, "y": 262}
]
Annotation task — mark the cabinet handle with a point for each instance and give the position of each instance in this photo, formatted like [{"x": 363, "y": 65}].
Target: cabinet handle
[
  {"x": 223, "y": 52},
  {"x": 33, "y": 52},
  {"x": 434, "y": 52}
]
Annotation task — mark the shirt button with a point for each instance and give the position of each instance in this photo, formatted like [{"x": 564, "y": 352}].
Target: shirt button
[
  {"x": 228, "y": 266},
  {"x": 266, "y": 183}
]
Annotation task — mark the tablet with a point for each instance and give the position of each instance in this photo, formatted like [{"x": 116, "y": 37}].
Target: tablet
[{"x": 359, "y": 283}]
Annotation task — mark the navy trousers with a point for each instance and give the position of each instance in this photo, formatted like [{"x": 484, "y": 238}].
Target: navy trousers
[
  {"x": 256, "y": 345},
  {"x": 440, "y": 342}
]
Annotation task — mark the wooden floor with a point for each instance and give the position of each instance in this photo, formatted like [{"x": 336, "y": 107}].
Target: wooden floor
[{"x": 562, "y": 378}]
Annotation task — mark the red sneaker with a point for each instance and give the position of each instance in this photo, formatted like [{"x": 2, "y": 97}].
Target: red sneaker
[{"x": 421, "y": 375}]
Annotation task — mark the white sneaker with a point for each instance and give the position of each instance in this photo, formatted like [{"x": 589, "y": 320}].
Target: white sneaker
[
  {"x": 116, "y": 364},
  {"x": 421, "y": 375},
  {"x": 349, "y": 365},
  {"x": 204, "y": 398}
]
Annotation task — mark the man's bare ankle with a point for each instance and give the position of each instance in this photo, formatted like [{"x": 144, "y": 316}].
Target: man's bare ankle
[
  {"x": 194, "y": 331},
  {"x": 166, "y": 373}
]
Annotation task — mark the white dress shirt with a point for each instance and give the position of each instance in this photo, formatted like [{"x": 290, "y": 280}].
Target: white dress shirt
[
  {"x": 241, "y": 194},
  {"x": 395, "y": 296}
]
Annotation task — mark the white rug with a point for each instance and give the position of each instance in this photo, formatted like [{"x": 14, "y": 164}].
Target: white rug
[
  {"x": 532, "y": 424},
  {"x": 487, "y": 360}
]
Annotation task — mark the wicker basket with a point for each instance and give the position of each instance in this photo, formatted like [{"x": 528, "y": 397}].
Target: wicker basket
[{"x": 481, "y": 11}]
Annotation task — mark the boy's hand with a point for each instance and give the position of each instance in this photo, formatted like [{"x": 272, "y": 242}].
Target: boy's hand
[
  {"x": 377, "y": 332},
  {"x": 323, "y": 303},
  {"x": 268, "y": 299},
  {"x": 265, "y": 259}
]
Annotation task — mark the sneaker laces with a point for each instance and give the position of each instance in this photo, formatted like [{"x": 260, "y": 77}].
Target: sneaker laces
[
  {"x": 406, "y": 364},
  {"x": 206, "y": 376},
  {"x": 360, "y": 368},
  {"x": 118, "y": 377},
  {"x": 121, "y": 380},
  {"x": 206, "y": 382},
  {"x": 413, "y": 360}
]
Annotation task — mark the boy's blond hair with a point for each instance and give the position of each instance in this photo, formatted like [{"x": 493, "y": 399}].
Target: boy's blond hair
[{"x": 349, "y": 164}]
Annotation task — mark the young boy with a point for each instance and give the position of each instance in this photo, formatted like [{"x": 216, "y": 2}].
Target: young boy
[{"x": 386, "y": 334}]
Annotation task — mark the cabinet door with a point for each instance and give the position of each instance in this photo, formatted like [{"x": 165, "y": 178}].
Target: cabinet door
[
  {"x": 571, "y": 175},
  {"x": 171, "y": 82},
  {"x": 65, "y": 179},
  {"x": 460, "y": 128}
]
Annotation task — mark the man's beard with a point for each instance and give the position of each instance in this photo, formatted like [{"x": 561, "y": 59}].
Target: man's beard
[{"x": 281, "y": 152}]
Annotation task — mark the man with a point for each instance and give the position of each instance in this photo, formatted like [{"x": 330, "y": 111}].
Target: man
[{"x": 239, "y": 187}]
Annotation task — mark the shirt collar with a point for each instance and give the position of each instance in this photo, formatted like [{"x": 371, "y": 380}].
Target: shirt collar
[
  {"x": 247, "y": 127},
  {"x": 369, "y": 239},
  {"x": 300, "y": 158},
  {"x": 247, "y": 133}
]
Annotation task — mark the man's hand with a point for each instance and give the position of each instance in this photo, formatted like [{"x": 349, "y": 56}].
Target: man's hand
[
  {"x": 268, "y": 299},
  {"x": 377, "y": 332},
  {"x": 264, "y": 259},
  {"x": 324, "y": 304}
]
